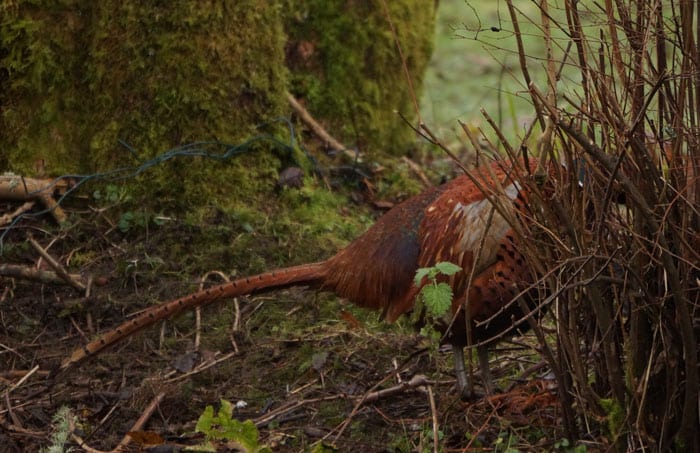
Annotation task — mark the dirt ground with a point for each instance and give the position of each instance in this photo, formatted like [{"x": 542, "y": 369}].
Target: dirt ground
[{"x": 298, "y": 363}]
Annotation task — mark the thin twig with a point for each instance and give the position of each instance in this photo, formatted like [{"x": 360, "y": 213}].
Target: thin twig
[
  {"x": 319, "y": 130},
  {"x": 436, "y": 426},
  {"x": 22, "y": 380},
  {"x": 198, "y": 310},
  {"x": 138, "y": 426},
  {"x": 416, "y": 381},
  {"x": 201, "y": 367},
  {"x": 60, "y": 271}
]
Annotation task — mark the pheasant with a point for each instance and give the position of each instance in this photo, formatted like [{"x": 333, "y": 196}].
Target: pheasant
[{"x": 454, "y": 222}]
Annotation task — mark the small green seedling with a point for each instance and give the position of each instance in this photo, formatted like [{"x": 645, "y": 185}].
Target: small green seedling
[
  {"x": 435, "y": 296},
  {"x": 223, "y": 427}
]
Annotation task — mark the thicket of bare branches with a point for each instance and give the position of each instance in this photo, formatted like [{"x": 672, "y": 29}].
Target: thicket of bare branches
[{"x": 618, "y": 246}]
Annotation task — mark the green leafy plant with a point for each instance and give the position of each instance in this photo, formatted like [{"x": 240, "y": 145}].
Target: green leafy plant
[
  {"x": 223, "y": 427},
  {"x": 435, "y": 296},
  {"x": 111, "y": 194},
  {"x": 140, "y": 219}
]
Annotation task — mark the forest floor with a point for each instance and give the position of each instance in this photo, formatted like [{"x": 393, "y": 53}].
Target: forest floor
[{"x": 304, "y": 367}]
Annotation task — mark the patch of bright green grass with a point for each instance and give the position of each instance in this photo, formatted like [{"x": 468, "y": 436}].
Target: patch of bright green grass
[{"x": 475, "y": 65}]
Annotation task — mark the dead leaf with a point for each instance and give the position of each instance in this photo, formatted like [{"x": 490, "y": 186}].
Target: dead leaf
[{"x": 146, "y": 437}]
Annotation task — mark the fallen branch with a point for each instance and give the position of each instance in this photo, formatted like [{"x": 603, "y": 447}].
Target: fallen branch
[
  {"x": 198, "y": 312},
  {"x": 30, "y": 273},
  {"x": 201, "y": 367},
  {"x": 290, "y": 407},
  {"x": 15, "y": 187},
  {"x": 436, "y": 426},
  {"x": 11, "y": 374}
]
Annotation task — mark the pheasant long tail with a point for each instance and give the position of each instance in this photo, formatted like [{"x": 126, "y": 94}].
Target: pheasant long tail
[{"x": 306, "y": 274}]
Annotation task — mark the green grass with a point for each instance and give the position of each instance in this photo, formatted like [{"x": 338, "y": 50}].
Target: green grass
[{"x": 474, "y": 67}]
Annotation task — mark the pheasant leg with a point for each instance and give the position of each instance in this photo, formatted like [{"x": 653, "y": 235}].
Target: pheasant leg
[
  {"x": 486, "y": 380},
  {"x": 464, "y": 385},
  {"x": 464, "y": 382}
]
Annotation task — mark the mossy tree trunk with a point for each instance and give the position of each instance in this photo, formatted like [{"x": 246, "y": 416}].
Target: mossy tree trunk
[
  {"x": 346, "y": 64},
  {"x": 92, "y": 86}
]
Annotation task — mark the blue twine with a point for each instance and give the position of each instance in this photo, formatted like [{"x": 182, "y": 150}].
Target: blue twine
[{"x": 194, "y": 149}]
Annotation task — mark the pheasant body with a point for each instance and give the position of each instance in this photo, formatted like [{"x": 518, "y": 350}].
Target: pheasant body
[{"x": 454, "y": 222}]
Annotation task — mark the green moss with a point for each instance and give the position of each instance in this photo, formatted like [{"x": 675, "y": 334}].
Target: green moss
[
  {"x": 345, "y": 64},
  {"x": 82, "y": 75},
  {"x": 318, "y": 214},
  {"x": 170, "y": 84},
  {"x": 616, "y": 416},
  {"x": 333, "y": 412},
  {"x": 42, "y": 55},
  {"x": 79, "y": 77},
  {"x": 166, "y": 84},
  {"x": 398, "y": 183}
]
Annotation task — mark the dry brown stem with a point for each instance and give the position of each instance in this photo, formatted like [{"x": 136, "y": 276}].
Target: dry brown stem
[{"x": 633, "y": 136}]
